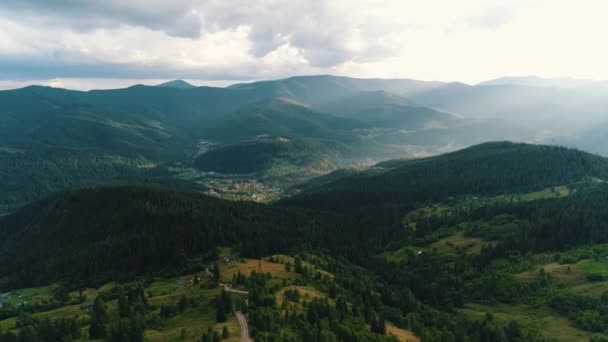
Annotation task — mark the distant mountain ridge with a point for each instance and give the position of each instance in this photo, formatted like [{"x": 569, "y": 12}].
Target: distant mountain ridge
[
  {"x": 330, "y": 121},
  {"x": 489, "y": 168},
  {"x": 179, "y": 84}
]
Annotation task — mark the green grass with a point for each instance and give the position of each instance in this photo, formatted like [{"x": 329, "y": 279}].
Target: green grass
[
  {"x": 456, "y": 243},
  {"x": 163, "y": 287},
  {"x": 551, "y": 325},
  {"x": 7, "y": 149},
  {"x": 446, "y": 208},
  {"x": 63, "y": 312},
  {"x": 195, "y": 320},
  {"x": 595, "y": 268},
  {"x": 30, "y": 295},
  {"x": 400, "y": 254}
]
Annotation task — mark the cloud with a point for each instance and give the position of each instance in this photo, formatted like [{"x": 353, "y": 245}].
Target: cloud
[
  {"x": 176, "y": 17},
  {"x": 24, "y": 69},
  {"x": 491, "y": 18},
  {"x": 467, "y": 40},
  {"x": 319, "y": 30}
]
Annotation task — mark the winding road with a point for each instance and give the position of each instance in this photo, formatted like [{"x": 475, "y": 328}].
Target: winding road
[
  {"x": 239, "y": 315},
  {"x": 229, "y": 288},
  {"x": 244, "y": 327}
]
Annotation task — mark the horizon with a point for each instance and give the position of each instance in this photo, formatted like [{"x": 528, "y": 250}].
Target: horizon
[
  {"x": 121, "y": 43},
  {"x": 108, "y": 84}
]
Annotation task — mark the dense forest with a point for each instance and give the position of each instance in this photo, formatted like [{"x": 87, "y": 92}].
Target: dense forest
[
  {"x": 490, "y": 168},
  {"x": 99, "y": 233},
  {"x": 391, "y": 269}
]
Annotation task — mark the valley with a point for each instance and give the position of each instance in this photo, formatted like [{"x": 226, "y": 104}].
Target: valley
[
  {"x": 303, "y": 171},
  {"x": 305, "y": 209},
  {"x": 280, "y": 134}
]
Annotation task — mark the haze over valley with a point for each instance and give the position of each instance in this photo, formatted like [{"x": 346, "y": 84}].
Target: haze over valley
[{"x": 285, "y": 171}]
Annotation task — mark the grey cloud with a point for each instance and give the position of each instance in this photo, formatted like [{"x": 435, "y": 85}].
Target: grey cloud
[
  {"x": 175, "y": 17},
  {"x": 319, "y": 32},
  {"x": 315, "y": 28},
  {"x": 491, "y": 18},
  {"x": 17, "y": 68}
]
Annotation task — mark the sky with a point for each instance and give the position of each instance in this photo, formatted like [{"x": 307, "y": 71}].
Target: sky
[{"x": 86, "y": 44}]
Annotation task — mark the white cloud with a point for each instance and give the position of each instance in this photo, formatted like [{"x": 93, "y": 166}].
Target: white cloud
[{"x": 468, "y": 40}]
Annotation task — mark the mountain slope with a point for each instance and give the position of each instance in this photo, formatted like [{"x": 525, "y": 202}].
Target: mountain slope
[
  {"x": 99, "y": 234},
  {"x": 489, "y": 168},
  {"x": 281, "y": 117},
  {"x": 314, "y": 90},
  {"x": 260, "y": 155},
  {"x": 386, "y": 110},
  {"x": 139, "y": 127},
  {"x": 179, "y": 84}
]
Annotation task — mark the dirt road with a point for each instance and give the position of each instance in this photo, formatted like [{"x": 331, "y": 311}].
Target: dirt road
[
  {"x": 229, "y": 288},
  {"x": 244, "y": 327}
]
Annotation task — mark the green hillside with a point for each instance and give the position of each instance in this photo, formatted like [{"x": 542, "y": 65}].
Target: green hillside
[
  {"x": 461, "y": 262},
  {"x": 180, "y": 84},
  {"x": 62, "y": 138},
  {"x": 386, "y": 110},
  {"x": 490, "y": 168},
  {"x": 261, "y": 155},
  {"x": 106, "y": 233}
]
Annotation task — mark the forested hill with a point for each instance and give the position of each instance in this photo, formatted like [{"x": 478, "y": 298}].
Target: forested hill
[
  {"x": 489, "y": 168},
  {"x": 111, "y": 232},
  {"x": 61, "y": 138}
]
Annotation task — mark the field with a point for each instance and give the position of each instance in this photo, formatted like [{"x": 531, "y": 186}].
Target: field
[
  {"x": 400, "y": 254},
  {"x": 306, "y": 293},
  {"x": 598, "y": 269},
  {"x": 458, "y": 242},
  {"x": 191, "y": 323},
  {"x": 401, "y": 334},
  {"x": 246, "y": 266},
  {"x": 554, "y": 192},
  {"x": 287, "y": 258},
  {"x": 566, "y": 274},
  {"x": 551, "y": 325},
  {"x": 187, "y": 326},
  {"x": 575, "y": 276},
  {"x": 32, "y": 294},
  {"x": 63, "y": 312}
]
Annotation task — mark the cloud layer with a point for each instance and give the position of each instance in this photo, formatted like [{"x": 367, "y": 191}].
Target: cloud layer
[{"x": 468, "y": 40}]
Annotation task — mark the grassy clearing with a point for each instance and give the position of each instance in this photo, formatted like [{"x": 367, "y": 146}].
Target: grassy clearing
[
  {"x": 426, "y": 212},
  {"x": 553, "y": 192},
  {"x": 169, "y": 293},
  {"x": 595, "y": 268},
  {"x": 163, "y": 287},
  {"x": 246, "y": 266},
  {"x": 194, "y": 321},
  {"x": 30, "y": 295},
  {"x": 401, "y": 254},
  {"x": 457, "y": 243},
  {"x": 7, "y": 149},
  {"x": 91, "y": 293},
  {"x": 287, "y": 258},
  {"x": 307, "y": 293},
  {"x": 551, "y": 325},
  {"x": 402, "y": 334},
  {"x": 595, "y": 289},
  {"x": 63, "y": 312},
  {"x": 566, "y": 274},
  {"x": 446, "y": 208}
]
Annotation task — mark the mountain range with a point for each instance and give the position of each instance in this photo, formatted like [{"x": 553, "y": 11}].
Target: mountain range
[{"x": 280, "y": 132}]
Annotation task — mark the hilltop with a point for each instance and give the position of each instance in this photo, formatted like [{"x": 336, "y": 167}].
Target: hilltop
[
  {"x": 489, "y": 168},
  {"x": 180, "y": 84}
]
